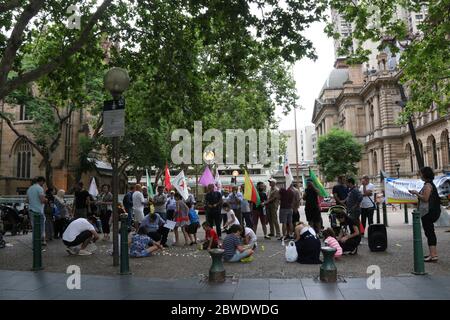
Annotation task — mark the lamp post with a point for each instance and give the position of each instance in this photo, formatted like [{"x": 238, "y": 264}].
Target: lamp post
[
  {"x": 235, "y": 175},
  {"x": 116, "y": 81}
]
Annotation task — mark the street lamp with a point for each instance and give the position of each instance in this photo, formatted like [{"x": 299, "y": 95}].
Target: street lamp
[
  {"x": 116, "y": 81},
  {"x": 208, "y": 156},
  {"x": 235, "y": 175}
]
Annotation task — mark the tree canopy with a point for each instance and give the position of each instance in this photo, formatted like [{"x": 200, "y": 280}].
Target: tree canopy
[{"x": 337, "y": 153}]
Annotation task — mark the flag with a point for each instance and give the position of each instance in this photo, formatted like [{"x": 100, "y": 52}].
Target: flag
[
  {"x": 318, "y": 184},
  {"x": 93, "y": 191},
  {"x": 287, "y": 172},
  {"x": 206, "y": 178},
  {"x": 180, "y": 184},
  {"x": 167, "y": 183},
  {"x": 250, "y": 192},
  {"x": 149, "y": 185},
  {"x": 217, "y": 182},
  {"x": 303, "y": 181}
]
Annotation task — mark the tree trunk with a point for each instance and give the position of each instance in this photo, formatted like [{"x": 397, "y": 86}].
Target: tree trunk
[{"x": 48, "y": 173}]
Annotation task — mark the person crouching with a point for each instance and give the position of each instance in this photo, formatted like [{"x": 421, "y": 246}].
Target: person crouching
[
  {"x": 82, "y": 232},
  {"x": 308, "y": 245}
]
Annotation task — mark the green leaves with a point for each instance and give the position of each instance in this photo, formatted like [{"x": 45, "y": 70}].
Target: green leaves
[{"x": 338, "y": 152}]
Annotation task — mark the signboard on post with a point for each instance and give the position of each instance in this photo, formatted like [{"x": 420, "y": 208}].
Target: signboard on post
[{"x": 114, "y": 118}]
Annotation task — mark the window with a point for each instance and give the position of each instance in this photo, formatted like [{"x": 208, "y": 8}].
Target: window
[
  {"x": 23, "y": 160},
  {"x": 23, "y": 114}
]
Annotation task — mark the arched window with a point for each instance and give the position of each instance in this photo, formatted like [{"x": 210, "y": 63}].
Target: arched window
[
  {"x": 23, "y": 160},
  {"x": 432, "y": 149},
  {"x": 445, "y": 150},
  {"x": 409, "y": 154},
  {"x": 375, "y": 163},
  {"x": 419, "y": 142}
]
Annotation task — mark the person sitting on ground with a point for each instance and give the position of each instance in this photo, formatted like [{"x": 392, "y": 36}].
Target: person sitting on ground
[
  {"x": 211, "y": 238},
  {"x": 349, "y": 237},
  {"x": 308, "y": 244},
  {"x": 330, "y": 241},
  {"x": 194, "y": 224},
  {"x": 82, "y": 232},
  {"x": 234, "y": 251},
  {"x": 250, "y": 239},
  {"x": 142, "y": 245},
  {"x": 154, "y": 227},
  {"x": 231, "y": 217}
]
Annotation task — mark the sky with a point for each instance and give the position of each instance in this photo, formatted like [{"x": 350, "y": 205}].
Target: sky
[{"x": 310, "y": 76}]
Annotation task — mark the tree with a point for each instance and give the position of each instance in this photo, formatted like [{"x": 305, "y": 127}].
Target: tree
[
  {"x": 424, "y": 56},
  {"x": 338, "y": 151}
]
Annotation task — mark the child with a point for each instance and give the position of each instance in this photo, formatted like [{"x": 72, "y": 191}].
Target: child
[
  {"x": 211, "y": 238},
  {"x": 195, "y": 224},
  {"x": 231, "y": 217},
  {"x": 249, "y": 237},
  {"x": 142, "y": 245},
  {"x": 234, "y": 251},
  {"x": 330, "y": 241},
  {"x": 181, "y": 219}
]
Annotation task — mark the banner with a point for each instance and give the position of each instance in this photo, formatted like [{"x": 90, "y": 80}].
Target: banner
[{"x": 397, "y": 190}]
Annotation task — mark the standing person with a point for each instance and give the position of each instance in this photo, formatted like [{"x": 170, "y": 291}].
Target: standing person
[
  {"x": 296, "y": 204},
  {"x": 194, "y": 224},
  {"x": 36, "y": 200},
  {"x": 272, "y": 204},
  {"x": 340, "y": 191},
  {"x": 147, "y": 206},
  {"x": 353, "y": 200},
  {"x": 61, "y": 217},
  {"x": 105, "y": 202},
  {"x": 350, "y": 236},
  {"x": 181, "y": 219},
  {"x": 368, "y": 202},
  {"x": 139, "y": 203},
  {"x": 190, "y": 201},
  {"x": 312, "y": 209},
  {"x": 246, "y": 210},
  {"x": 128, "y": 205},
  {"x": 234, "y": 199},
  {"x": 259, "y": 211},
  {"x": 213, "y": 206},
  {"x": 287, "y": 198},
  {"x": 159, "y": 201},
  {"x": 171, "y": 206},
  {"x": 49, "y": 209},
  {"x": 430, "y": 210},
  {"x": 82, "y": 202}
]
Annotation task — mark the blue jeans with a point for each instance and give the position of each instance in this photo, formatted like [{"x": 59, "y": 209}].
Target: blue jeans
[{"x": 239, "y": 255}]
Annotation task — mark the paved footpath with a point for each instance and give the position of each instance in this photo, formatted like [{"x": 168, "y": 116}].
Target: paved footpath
[{"x": 22, "y": 285}]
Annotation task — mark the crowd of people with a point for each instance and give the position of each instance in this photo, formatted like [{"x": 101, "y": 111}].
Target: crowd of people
[{"x": 150, "y": 218}]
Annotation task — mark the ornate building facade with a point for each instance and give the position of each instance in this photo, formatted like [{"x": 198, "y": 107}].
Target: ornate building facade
[{"x": 364, "y": 103}]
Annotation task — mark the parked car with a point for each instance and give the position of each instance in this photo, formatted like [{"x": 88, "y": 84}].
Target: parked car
[{"x": 326, "y": 203}]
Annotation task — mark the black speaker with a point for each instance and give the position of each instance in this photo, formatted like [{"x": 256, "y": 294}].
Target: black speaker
[{"x": 377, "y": 237}]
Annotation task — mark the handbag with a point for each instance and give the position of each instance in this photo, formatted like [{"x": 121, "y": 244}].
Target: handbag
[{"x": 291, "y": 252}]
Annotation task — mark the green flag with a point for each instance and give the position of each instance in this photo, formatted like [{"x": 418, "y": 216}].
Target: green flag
[
  {"x": 318, "y": 184},
  {"x": 149, "y": 185}
]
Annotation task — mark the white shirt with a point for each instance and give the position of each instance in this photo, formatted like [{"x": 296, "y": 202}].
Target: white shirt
[
  {"x": 75, "y": 228},
  {"x": 366, "y": 202},
  {"x": 138, "y": 201},
  {"x": 250, "y": 233},
  {"x": 230, "y": 215}
]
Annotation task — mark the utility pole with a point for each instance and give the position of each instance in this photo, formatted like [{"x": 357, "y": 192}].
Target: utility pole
[{"x": 296, "y": 146}]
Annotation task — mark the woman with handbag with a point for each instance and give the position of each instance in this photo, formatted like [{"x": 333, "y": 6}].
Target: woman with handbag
[{"x": 430, "y": 209}]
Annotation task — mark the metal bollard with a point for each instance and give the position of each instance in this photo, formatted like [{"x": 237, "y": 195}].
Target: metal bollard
[
  {"x": 405, "y": 208},
  {"x": 328, "y": 270},
  {"x": 385, "y": 221},
  {"x": 419, "y": 264},
  {"x": 217, "y": 270},
  {"x": 37, "y": 242},
  {"x": 124, "y": 257}
]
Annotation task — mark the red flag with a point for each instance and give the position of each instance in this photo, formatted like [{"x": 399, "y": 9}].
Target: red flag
[{"x": 167, "y": 183}]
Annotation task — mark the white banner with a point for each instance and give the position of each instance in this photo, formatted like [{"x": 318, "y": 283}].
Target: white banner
[{"x": 397, "y": 190}]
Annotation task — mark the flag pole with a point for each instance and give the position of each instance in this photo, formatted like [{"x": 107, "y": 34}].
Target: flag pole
[{"x": 296, "y": 145}]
